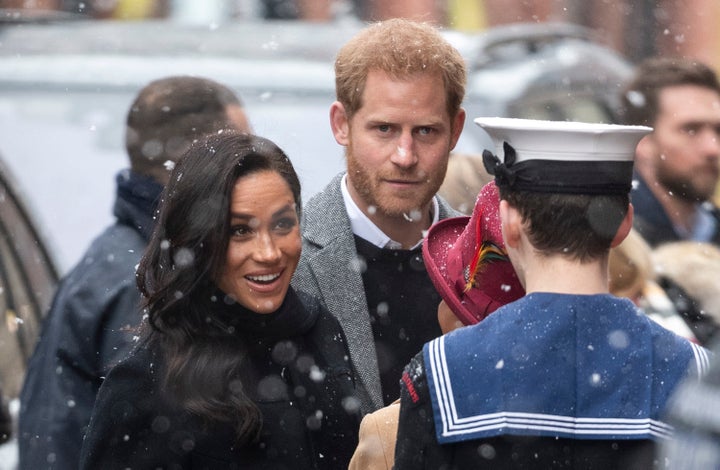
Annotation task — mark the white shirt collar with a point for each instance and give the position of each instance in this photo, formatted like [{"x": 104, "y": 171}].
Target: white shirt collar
[{"x": 364, "y": 228}]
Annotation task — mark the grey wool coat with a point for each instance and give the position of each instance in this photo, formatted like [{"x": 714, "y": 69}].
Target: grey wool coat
[{"x": 329, "y": 269}]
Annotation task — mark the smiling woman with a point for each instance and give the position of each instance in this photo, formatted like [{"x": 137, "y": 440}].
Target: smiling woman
[
  {"x": 233, "y": 367},
  {"x": 264, "y": 246}
]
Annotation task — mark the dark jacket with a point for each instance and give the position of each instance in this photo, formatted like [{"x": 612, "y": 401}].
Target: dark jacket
[
  {"x": 548, "y": 381},
  {"x": 296, "y": 372},
  {"x": 89, "y": 326},
  {"x": 651, "y": 221}
]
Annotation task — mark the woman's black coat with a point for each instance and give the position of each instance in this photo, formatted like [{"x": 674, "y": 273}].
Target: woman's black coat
[{"x": 302, "y": 383}]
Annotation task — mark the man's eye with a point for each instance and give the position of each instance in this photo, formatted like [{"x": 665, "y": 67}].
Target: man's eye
[
  {"x": 384, "y": 128},
  {"x": 425, "y": 130}
]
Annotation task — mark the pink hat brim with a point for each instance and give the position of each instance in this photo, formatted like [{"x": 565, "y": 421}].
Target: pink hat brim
[{"x": 440, "y": 239}]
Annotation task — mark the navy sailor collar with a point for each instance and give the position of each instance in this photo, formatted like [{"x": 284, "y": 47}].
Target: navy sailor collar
[{"x": 582, "y": 367}]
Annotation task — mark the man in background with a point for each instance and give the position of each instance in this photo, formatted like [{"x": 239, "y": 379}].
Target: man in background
[
  {"x": 677, "y": 165},
  {"x": 93, "y": 316}
]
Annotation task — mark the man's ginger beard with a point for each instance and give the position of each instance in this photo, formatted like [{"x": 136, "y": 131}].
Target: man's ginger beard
[{"x": 366, "y": 183}]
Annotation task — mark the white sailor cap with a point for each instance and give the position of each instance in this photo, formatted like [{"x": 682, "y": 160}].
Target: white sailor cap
[{"x": 560, "y": 156}]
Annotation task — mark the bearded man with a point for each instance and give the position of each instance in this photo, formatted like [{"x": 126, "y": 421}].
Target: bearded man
[
  {"x": 677, "y": 165},
  {"x": 398, "y": 113}
]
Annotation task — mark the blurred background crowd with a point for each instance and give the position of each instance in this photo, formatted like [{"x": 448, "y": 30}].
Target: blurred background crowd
[{"x": 636, "y": 29}]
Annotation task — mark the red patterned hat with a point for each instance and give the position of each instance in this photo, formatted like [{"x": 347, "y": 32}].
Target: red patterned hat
[{"x": 466, "y": 260}]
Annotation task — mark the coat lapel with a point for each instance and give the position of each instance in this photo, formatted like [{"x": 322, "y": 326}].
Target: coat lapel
[
  {"x": 329, "y": 248},
  {"x": 330, "y": 269}
]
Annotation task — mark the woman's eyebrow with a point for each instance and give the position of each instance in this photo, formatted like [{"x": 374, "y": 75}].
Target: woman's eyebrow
[{"x": 282, "y": 210}]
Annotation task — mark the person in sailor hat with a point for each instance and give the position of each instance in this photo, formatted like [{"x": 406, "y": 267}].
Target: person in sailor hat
[
  {"x": 467, "y": 263},
  {"x": 567, "y": 376}
]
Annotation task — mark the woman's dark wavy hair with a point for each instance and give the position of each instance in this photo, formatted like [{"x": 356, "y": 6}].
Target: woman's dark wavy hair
[{"x": 177, "y": 271}]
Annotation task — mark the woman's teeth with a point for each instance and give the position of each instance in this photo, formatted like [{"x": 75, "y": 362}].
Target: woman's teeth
[{"x": 264, "y": 278}]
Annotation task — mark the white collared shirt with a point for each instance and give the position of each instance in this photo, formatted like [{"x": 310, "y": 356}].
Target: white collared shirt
[{"x": 364, "y": 228}]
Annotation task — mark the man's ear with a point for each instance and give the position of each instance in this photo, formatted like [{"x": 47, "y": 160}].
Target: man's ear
[
  {"x": 645, "y": 149},
  {"x": 458, "y": 124},
  {"x": 511, "y": 224},
  {"x": 625, "y": 227},
  {"x": 339, "y": 123}
]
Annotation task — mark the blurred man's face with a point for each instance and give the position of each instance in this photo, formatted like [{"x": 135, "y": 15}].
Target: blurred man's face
[
  {"x": 686, "y": 141},
  {"x": 398, "y": 144}
]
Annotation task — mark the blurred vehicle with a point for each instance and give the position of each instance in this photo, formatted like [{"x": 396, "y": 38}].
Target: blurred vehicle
[
  {"x": 65, "y": 88},
  {"x": 550, "y": 71}
]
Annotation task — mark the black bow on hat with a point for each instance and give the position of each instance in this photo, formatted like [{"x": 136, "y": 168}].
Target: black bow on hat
[{"x": 505, "y": 175}]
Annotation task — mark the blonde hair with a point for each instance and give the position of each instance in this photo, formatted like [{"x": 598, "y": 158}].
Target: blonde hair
[{"x": 631, "y": 266}]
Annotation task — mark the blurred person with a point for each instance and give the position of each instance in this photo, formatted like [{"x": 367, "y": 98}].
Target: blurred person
[
  {"x": 475, "y": 246},
  {"x": 677, "y": 165},
  {"x": 499, "y": 12},
  {"x": 694, "y": 413},
  {"x": 398, "y": 114},
  {"x": 92, "y": 319},
  {"x": 315, "y": 10},
  {"x": 568, "y": 376},
  {"x": 636, "y": 29},
  {"x": 690, "y": 274},
  {"x": 464, "y": 179},
  {"x": 630, "y": 267},
  {"x": 431, "y": 11},
  {"x": 234, "y": 368},
  {"x": 633, "y": 275}
]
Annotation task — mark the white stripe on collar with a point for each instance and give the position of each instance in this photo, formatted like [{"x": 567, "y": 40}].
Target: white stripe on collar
[{"x": 486, "y": 424}]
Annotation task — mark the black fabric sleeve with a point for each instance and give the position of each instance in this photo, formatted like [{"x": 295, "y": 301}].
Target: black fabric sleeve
[
  {"x": 416, "y": 445},
  {"x": 338, "y": 435}
]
